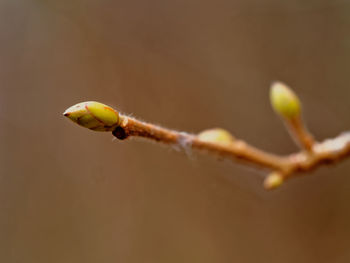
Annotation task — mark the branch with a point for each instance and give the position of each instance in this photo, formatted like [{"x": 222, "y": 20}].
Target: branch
[{"x": 100, "y": 117}]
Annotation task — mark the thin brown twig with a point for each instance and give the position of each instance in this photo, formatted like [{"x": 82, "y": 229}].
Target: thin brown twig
[
  {"x": 300, "y": 134},
  {"x": 329, "y": 151},
  {"x": 99, "y": 117},
  {"x": 237, "y": 149}
]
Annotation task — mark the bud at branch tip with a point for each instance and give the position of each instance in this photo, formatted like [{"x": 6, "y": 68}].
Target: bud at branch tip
[
  {"x": 284, "y": 101},
  {"x": 94, "y": 116}
]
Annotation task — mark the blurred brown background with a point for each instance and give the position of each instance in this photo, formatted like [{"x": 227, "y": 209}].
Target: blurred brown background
[{"x": 68, "y": 194}]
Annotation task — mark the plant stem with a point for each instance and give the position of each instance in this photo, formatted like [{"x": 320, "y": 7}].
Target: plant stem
[{"x": 328, "y": 151}]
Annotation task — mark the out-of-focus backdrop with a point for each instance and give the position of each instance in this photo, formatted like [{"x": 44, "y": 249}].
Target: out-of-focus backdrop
[{"x": 68, "y": 194}]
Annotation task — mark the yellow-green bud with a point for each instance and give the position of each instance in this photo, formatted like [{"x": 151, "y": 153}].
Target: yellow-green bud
[
  {"x": 273, "y": 181},
  {"x": 94, "y": 116},
  {"x": 284, "y": 101},
  {"x": 216, "y": 135}
]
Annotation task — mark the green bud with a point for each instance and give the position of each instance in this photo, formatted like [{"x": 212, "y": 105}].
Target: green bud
[
  {"x": 273, "y": 181},
  {"x": 216, "y": 135},
  {"x": 94, "y": 116},
  {"x": 284, "y": 101}
]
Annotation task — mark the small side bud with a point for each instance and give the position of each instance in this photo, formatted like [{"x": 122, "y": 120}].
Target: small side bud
[
  {"x": 273, "y": 181},
  {"x": 216, "y": 135},
  {"x": 284, "y": 101},
  {"x": 94, "y": 116}
]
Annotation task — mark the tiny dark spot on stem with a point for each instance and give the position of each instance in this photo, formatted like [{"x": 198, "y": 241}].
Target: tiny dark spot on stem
[{"x": 120, "y": 133}]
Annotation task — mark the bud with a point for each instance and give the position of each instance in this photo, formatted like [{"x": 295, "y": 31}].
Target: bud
[
  {"x": 284, "y": 101},
  {"x": 216, "y": 135},
  {"x": 94, "y": 116},
  {"x": 273, "y": 181}
]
